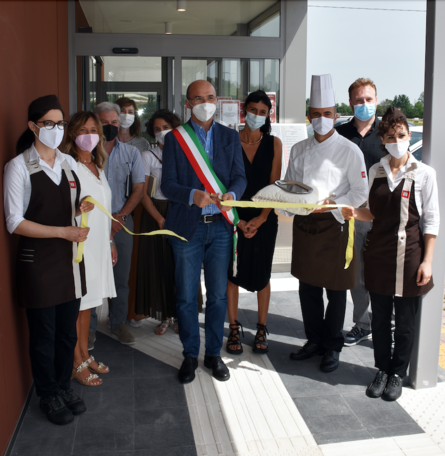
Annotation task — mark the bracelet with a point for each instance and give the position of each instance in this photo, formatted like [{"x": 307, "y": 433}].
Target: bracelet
[{"x": 112, "y": 242}]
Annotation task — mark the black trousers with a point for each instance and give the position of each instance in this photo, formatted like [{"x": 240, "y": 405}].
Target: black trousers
[
  {"x": 52, "y": 338},
  {"x": 323, "y": 328},
  {"x": 405, "y": 310}
]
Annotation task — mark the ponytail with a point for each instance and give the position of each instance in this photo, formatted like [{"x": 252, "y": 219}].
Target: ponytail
[{"x": 25, "y": 141}]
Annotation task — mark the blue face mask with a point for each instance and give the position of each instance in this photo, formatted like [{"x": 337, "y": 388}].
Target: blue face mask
[
  {"x": 364, "y": 111},
  {"x": 254, "y": 121}
]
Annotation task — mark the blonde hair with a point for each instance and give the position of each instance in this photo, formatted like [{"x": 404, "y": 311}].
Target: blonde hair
[
  {"x": 361, "y": 82},
  {"x": 98, "y": 155}
]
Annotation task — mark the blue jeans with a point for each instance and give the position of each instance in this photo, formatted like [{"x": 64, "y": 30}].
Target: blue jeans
[{"x": 211, "y": 246}]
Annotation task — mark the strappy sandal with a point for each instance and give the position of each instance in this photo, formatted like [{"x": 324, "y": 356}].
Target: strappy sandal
[
  {"x": 261, "y": 339},
  {"x": 162, "y": 327},
  {"x": 101, "y": 369},
  {"x": 87, "y": 381},
  {"x": 176, "y": 326},
  {"x": 234, "y": 338}
]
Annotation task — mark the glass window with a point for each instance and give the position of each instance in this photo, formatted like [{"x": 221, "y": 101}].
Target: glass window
[
  {"x": 233, "y": 79},
  {"x": 132, "y": 69},
  {"x": 243, "y": 17}
]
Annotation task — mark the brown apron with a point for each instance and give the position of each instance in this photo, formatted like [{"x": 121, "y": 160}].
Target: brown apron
[
  {"x": 395, "y": 245},
  {"x": 46, "y": 272},
  {"x": 319, "y": 244}
]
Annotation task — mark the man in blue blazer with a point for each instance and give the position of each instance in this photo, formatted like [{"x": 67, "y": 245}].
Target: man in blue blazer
[{"x": 194, "y": 214}]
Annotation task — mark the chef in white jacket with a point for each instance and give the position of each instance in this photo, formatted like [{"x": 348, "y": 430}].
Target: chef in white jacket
[{"x": 335, "y": 166}]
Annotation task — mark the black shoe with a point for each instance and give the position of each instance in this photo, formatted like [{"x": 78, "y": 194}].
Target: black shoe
[
  {"x": 356, "y": 335},
  {"x": 308, "y": 350},
  {"x": 219, "y": 369},
  {"x": 330, "y": 361},
  {"x": 376, "y": 388},
  {"x": 73, "y": 401},
  {"x": 55, "y": 410},
  {"x": 393, "y": 388},
  {"x": 187, "y": 372}
]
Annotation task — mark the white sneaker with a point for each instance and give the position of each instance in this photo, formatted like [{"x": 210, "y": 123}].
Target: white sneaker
[{"x": 135, "y": 323}]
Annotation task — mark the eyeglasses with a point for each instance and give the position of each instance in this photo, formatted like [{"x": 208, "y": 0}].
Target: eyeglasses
[
  {"x": 199, "y": 100},
  {"x": 49, "y": 124}
]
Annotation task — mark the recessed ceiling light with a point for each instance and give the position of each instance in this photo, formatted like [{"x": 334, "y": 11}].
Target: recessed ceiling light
[
  {"x": 168, "y": 28},
  {"x": 125, "y": 20},
  {"x": 180, "y": 5}
]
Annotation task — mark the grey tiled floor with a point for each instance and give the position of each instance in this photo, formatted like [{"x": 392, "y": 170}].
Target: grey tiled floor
[
  {"x": 333, "y": 405},
  {"x": 140, "y": 410}
]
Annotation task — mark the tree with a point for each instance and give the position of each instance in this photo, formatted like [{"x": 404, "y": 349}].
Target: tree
[
  {"x": 421, "y": 98},
  {"x": 383, "y": 106},
  {"x": 418, "y": 110},
  {"x": 344, "y": 110},
  {"x": 402, "y": 102}
]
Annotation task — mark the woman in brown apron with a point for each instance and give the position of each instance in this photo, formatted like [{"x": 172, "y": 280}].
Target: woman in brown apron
[
  {"x": 403, "y": 205},
  {"x": 41, "y": 192}
]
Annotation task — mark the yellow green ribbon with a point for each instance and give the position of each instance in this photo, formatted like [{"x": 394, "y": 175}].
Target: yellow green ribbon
[
  {"x": 277, "y": 205},
  {"x": 84, "y": 224}
]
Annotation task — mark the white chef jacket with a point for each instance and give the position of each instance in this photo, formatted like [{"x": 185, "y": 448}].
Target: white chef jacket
[
  {"x": 153, "y": 166},
  {"x": 425, "y": 190},
  {"x": 17, "y": 183},
  {"x": 335, "y": 167}
]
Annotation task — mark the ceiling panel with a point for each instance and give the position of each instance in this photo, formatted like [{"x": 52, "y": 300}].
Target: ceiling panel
[{"x": 202, "y": 17}]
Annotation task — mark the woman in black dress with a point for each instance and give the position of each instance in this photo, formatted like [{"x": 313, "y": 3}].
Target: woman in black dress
[{"x": 257, "y": 227}]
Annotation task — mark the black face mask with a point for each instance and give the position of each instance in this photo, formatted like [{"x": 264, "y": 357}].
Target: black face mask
[{"x": 110, "y": 132}]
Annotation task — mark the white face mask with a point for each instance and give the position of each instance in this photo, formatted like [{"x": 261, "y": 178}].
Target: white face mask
[
  {"x": 397, "y": 150},
  {"x": 204, "y": 111},
  {"x": 255, "y": 121},
  {"x": 126, "y": 121},
  {"x": 322, "y": 125},
  {"x": 160, "y": 135},
  {"x": 51, "y": 138}
]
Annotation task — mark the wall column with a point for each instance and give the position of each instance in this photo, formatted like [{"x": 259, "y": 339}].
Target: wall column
[
  {"x": 293, "y": 63},
  {"x": 424, "y": 361}
]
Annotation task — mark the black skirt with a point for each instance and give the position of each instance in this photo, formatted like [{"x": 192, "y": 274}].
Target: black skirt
[{"x": 155, "y": 285}]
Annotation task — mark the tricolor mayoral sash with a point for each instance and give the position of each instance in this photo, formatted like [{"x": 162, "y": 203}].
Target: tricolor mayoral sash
[{"x": 200, "y": 162}]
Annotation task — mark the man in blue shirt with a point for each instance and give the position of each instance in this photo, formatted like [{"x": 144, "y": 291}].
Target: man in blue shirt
[
  {"x": 194, "y": 214},
  {"x": 126, "y": 177}
]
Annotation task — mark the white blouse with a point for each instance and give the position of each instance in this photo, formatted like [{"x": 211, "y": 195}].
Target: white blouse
[
  {"x": 17, "y": 184},
  {"x": 425, "y": 190},
  {"x": 153, "y": 166}
]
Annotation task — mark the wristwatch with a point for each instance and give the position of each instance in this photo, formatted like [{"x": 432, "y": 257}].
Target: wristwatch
[
  {"x": 124, "y": 217},
  {"x": 112, "y": 242}
]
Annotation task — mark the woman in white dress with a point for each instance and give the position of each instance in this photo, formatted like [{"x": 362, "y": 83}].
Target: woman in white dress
[{"x": 84, "y": 143}]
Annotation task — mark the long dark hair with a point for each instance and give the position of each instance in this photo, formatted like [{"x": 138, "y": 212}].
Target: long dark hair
[
  {"x": 256, "y": 97},
  {"x": 27, "y": 137}
]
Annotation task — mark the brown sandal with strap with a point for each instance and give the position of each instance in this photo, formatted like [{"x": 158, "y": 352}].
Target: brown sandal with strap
[
  {"x": 86, "y": 381},
  {"x": 234, "y": 338},
  {"x": 261, "y": 339},
  {"x": 100, "y": 369}
]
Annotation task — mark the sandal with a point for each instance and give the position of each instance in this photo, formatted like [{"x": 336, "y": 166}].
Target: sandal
[
  {"x": 86, "y": 381},
  {"x": 176, "y": 326},
  {"x": 162, "y": 327},
  {"x": 100, "y": 369},
  {"x": 260, "y": 339},
  {"x": 234, "y": 338}
]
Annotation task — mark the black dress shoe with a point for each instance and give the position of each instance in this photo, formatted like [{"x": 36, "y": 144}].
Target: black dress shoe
[
  {"x": 73, "y": 401},
  {"x": 308, "y": 350},
  {"x": 55, "y": 410},
  {"x": 219, "y": 369},
  {"x": 376, "y": 388},
  {"x": 393, "y": 388},
  {"x": 187, "y": 372},
  {"x": 330, "y": 361}
]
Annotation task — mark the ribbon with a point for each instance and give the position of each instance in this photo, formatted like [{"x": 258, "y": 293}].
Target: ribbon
[
  {"x": 84, "y": 224},
  {"x": 276, "y": 205}
]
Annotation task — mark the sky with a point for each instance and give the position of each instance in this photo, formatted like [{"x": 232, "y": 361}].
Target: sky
[{"x": 385, "y": 46}]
